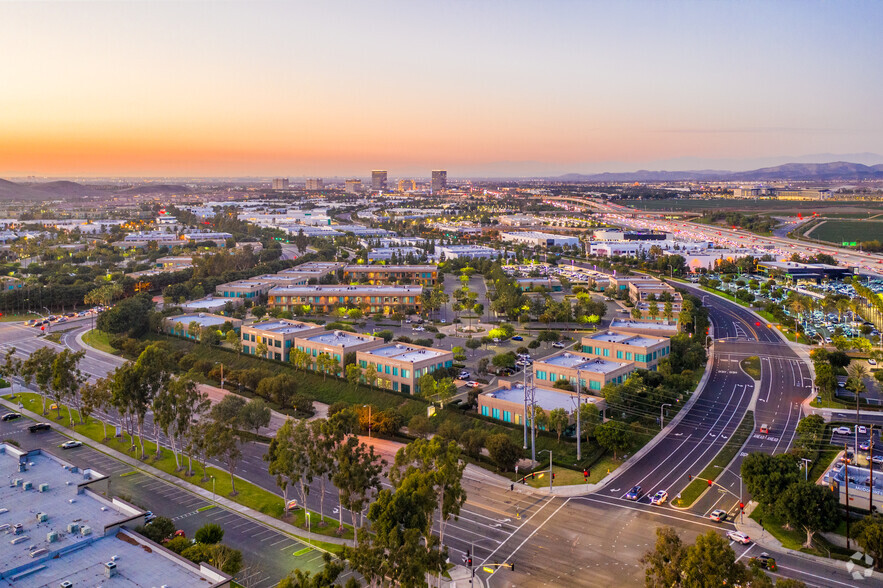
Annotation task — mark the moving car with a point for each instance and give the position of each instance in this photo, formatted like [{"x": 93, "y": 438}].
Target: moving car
[
  {"x": 764, "y": 429},
  {"x": 718, "y": 515},
  {"x": 847, "y": 457},
  {"x": 473, "y": 384},
  {"x": 764, "y": 560},
  {"x": 39, "y": 427},
  {"x": 843, "y": 431},
  {"x": 862, "y": 430},
  {"x": 558, "y": 345},
  {"x": 634, "y": 493},
  {"x": 878, "y": 459},
  {"x": 520, "y": 338},
  {"x": 10, "y": 416},
  {"x": 70, "y": 444},
  {"x": 739, "y": 537},
  {"x": 659, "y": 498},
  {"x": 464, "y": 375}
]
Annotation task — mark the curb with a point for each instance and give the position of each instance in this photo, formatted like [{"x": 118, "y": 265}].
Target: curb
[
  {"x": 79, "y": 339},
  {"x": 226, "y": 503}
]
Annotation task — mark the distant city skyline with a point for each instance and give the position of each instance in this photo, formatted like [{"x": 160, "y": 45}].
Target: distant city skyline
[{"x": 510, "y": 89}]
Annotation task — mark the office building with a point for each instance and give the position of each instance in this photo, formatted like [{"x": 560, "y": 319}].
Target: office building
[
  {"x": 190, "y": 326},
  {"x": 370, "y": 299},
  {"x": 507, "y": 402},
  {"x": 537, "y": 239},
  {"x": 644, "y": 351},
  {"x": 280, "y": 183},
  {"x": 469, "y": 252},
  {"x": 353, "y": 186},
  {"x": 249, "y": 289},
  {"x": 64, "y": 529},
  {"x": 279, "y": 336},
  {"x": 211, "y": 304},
  {"x": 407, "y": 185},
  {"x": 400, "y": 365},
  {"x": 803, "y": 194},
  {"x": 439, "y": 180},
  {"x": 313, "y": 184},
  {"x": 378, "y": 180},
  {"x": 594, "y": 372},
  {"x": 336, "y": 345},
  {"x": 424, "y": 275}
]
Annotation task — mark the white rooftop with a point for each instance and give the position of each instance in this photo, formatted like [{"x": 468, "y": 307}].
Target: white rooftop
[
  {"x": 648, "y": 325},
  {"x": 547, "y": 398},
  {"x": 285, "y": 327},
  {"x": 204, "y": 320},
  {"x": 340, "y": 339},
  {"x": 572, "y": 360},
  {"x": 404, "y": 352}
]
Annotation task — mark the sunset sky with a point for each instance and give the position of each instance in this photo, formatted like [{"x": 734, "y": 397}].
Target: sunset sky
[{"x": 475, "y": 87}]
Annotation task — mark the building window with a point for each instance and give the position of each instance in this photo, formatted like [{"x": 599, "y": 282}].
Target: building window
[
  {"x": 483, "y": 411},
  {"x": 593, "y": 385},
  {"x": 507, "y": 416},
  {"x": 497, "y": 413},
  {"x": 618, "y": 354}
]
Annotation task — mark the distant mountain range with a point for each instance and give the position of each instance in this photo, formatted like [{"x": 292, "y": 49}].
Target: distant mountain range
[
  {"x": 837, "y": 170},
  {"x": 67, "y": 190}
]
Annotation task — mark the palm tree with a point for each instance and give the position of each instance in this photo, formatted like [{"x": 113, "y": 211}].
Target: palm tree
[
  {"x": 797, "y": 306},
  {"x": 841, "y": 305},
  {"x": 855, "y": 383}
]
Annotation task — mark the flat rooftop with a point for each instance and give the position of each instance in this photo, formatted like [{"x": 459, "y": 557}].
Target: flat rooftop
[
  {"x": 624, "y": 339},
  {"x": 285, "y": 327},
  {"x": 206, "y": 303},
  {"x": 404, "y": 352},
  {"x": 572, "y": 360},
  {"x": 340, "y": 339},
  {"x": 546, "y": 398},
  {"x": 390, "y": 268},
  {"x": 248, "y": 284},
  {"x": 648, "y": 325},
  {"x": 609, "y": 337},
  {"x": 344, "y": 289},
  {"x": 204, "y": 320}
]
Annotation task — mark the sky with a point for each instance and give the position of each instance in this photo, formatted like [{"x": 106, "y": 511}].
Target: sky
[{"x": 480, "y": 88}]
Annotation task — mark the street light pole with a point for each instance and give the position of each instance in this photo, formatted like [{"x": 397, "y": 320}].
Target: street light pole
[
  {"x": 661, "y": 415},
  {"x": 368, "y": 406},
  {"x": 213, "y": 488},
  {"x": 579, "y": 452},
  {"x": 550, "y": 467}
]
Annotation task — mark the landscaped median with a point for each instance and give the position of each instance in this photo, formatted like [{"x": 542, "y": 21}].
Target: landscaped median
[
  {"x": 248, "y": 494},
  {"x": 699, "y": 485},
  {"x": 751, "y": 366}
]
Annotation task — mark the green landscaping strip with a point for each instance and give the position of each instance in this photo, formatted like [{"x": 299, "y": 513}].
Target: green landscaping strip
[
  {"x": 205, "y": 508},
  {"x": 126, "y": 474},
  {"x": 248, "y": 494},
  {"x": 695, "y": 489},
  {"x": 751, "y": 366},
  {"x": 303, "y": 551}
]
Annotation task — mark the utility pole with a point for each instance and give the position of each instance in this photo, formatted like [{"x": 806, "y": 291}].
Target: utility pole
[
  {"x": 846, "y": 481},
  {"x": 871, "y": 479},
  {"x": 661, "y": 417},
  {"x": 579, "y": 452},
  {"x": 524, "y": 420}
]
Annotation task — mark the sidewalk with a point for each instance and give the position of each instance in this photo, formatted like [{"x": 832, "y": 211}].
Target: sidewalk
[{"x": 183, "y": 484}]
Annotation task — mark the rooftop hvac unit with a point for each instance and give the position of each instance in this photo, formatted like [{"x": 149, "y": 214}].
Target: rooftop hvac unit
[
  {"x": 73, "y": 528},
  {"x": 43, "y": 488},
  {"x": 52, "y": 536},
  {"x": 110, "y": 569},
  {"x": 42, "y": 517},
  {"x": 65, "y": 584},
  {"x": 16, "y": 482},
  {"x": 27, "y": 485},
  {"x": 85, "y": 530},
  {"x": 19, "y": 539}
]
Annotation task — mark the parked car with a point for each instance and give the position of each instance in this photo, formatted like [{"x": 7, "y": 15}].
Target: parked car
[
  {"x": 843, "y": 431},
  {"x": 847, "y": 457},
  {"x": 739, "y": 537},
  {"x": 878, "y": 459},
  {"x": 39, "y": 427},
  {"x": 871, "y": 361},
  {"x": 558, "y": 345},
  {"x": 10, "y": 416},
  {"x": 464, "y": 375},
  {"x": 659, "y": 498},
  {"x": 149, "y": 516},
  {"x": 634, "y": 493},
  {"x": 70, "y": 444},
  {"x": 718, "y": 515},
  {"x": 496, "y": 339},
  {"x": 520, "y": 338},
  {"x": 473, "y": 384}
]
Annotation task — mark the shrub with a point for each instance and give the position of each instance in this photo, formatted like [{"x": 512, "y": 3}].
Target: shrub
[{"x": 209, "y": 533}]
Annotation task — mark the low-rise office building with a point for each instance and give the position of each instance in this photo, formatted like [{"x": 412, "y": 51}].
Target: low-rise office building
[
  {"x": 535, "y": 284},
  {"x": 651, "y": 328},
  {"x": 279, "y": 336},
  {"x": 400, "y": 365},
  {"x": 211, "y": 304},
  {"x": 248, "y": 289},
  {"x": 336, "y": 344},
  {"x": 387, "y": 253},
  {"x": 507, "y": 403},
  {"x": 190, "y": 326},
  {"x": 469, "y": 252},
  {"x": 371, "y": 299},
  {"x": 537, "y": 239},
  {"x": 594, "y": 372},
  {"x": 175, "y": 262},
  {"x": 314, "y": 269},
  {"x": 644, "y": 351},
  {"x": 424, "y": 275},
  {"x": 63, "y": 529}
]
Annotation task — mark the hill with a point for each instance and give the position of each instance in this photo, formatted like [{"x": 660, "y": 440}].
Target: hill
[
  {"x": 837, "y": 170},
  {"x": 59, "y": 190}
]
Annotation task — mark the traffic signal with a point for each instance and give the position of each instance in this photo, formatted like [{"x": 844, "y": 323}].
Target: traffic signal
[
  {"x": 553, "y": 475},
  {"x": 586, "y": 474},
  {"x": 524, "y": 480},
  {"x": 689, "y": 477},
  {"x": 742, "y": 506},
  {"x": 469, "y": 562},
  {"x": 512, "y": 567},
  {"x": 710, "y": 482}
]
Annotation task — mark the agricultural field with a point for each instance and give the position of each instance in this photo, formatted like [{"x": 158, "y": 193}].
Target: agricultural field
[
  {"x": 773, "y": 207},
  {"x": 838, "y": 231}
]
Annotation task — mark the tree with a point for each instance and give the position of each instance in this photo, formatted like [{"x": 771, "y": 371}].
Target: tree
[
  {"x": 209, "y": 533},
  {"x": 662, "y": 566},
  {"x": 38, "y": 367},
  {"x": 503, "y": 451},
  {"x": 158, "y": 530},
  {"x": 96, "y": 397},
  {"x": 281, "y": 456},
  {"x": 427, "y": 386},
  {"x": 254, "y": 415},
  {"x": 445, "y": 390},
  {"x": 590, "y": 418},
  {"x": 855, "y": 383},
  {"x": 667, "y": 310},
  {"x": 869, "y": 534},
  {"x": 614, "y": 436},
  {"x": 234, "y": 340},
  {"x": 326, "y": 363},
  {"x": 636, "y": 313},
  {"x": 67, "y": 380},
  {"x": 766, "y": 477},
  {"x": 10, "y": 367},
  {"x": 357, "y": 476},
  {"x": 225, "y": 558},
  {"x": 353, "y": 374},
  {"x": 326, "y": 576},
  {"x": 223, "y": 443},
  {"x": 261, "y": 349},
  {"x": 712, "y": 562},
  {"x": 807, "y": 505},
  {"x": 810, "y": 433},
  {"x": 386, "y": 335},
  {"x": 504, "y": 360},
  {"x": 558, "y": 420},
  {"x": 371, "y": 375},
  {"x": 325, "y": 438},
  {"x": 825, "y": 381}
]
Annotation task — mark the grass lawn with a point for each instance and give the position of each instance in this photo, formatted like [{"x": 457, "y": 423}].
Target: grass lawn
[
  {"x": 751, "y": 366},
  {"x": 838, "y": 231},
  {"x": 12, "y": 318},
  {"x": 99, "y": 340},
  {"x": 795, "y": 538},
  {"x": 247, "y": 493},
  {"x": 695, "y": 489}
]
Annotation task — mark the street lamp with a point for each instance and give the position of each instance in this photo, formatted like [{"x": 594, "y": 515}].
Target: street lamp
[
  {"x": 661, "y": 415},
  {"x": 213, "y": 488},
  {"x": 550, "y": 468},
  {"x": 309, "y": 541},
  {"x": 368, "y": 406}
]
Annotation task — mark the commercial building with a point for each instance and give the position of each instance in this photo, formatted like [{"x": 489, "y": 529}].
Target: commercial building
[
  {"x": 174, "y": 263},
  {"x": 406, "y": 185},
  {"x": 200, "y": 237},
  {"x": 815, "y": 272},
  {"x": 211, "y": 304},
  {"x": 537, "y": 239},
  {"x": 534, "y": 284},
  {"x": 439, "y": 180},
  {"x": 315, "y": 184},
  {"x": 180, "y": 325},
  {"x": 280, "y": 183},
  {"x": 387, "y": 253},
  {"x": 400, "y": 365},
  {"x": 279, "y": 336},
  {"x": 622, "y": 282},
  {"x": 507, "y": 403},
  {"x": 61, "y": 531},
  {"x": 249, "y": 289},
  {"x": 335, "y": 344},
  {"x": 313, "y": 270},
  {"x": 803, "y": 194},
  {"x": 645, "y": 352},
  {"x": 353, "y": 186},
  {"x": 618, "y": 235},
  {"x": 469, "y": 252},
  {"x": 643, "y": 293},
  {"x": 371, "y": 299},
  {"x": 651, "y": 328},
  {"x": 594, "y": 372},
  {"x": 378, "y": 180},
  {"x": 425, "y": 275}
]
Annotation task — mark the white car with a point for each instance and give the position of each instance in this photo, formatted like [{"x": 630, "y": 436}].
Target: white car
[
  {"x": 843, "y": 431},
  {"x": 473, "y": 384},
  {"x": 862, "y": 430},
  {"x": 872, "y": 361},
  {"x": 70, "y": 444},
  {"x": 558, "y": 345},
  {"x": 739, "y": 537},
  {"x": 659, "y": 498},
  {"x": 464, "y": 375}
]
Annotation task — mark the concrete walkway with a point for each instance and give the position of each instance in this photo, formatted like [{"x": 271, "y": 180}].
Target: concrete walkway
[{"x": 183, "y": 484}]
